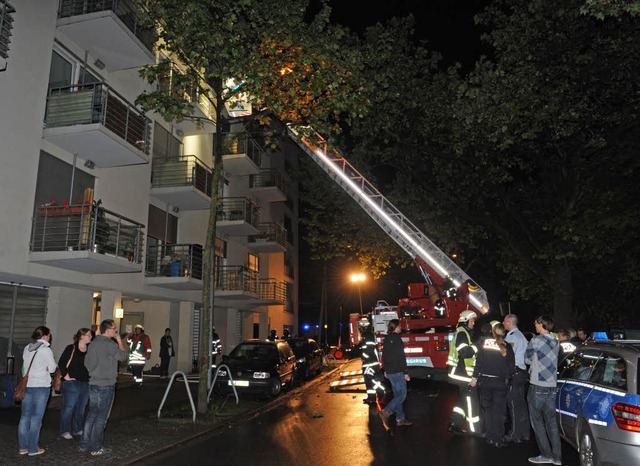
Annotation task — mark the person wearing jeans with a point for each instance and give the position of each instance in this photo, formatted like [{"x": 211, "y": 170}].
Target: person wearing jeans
[
  {"x": 394, "y": 365},
  {"x": 75, "y": 384},
  {"x": 542, "y": 356},
  {"x": 101, "y": 360},
  {"x": 38, "y": 360}
]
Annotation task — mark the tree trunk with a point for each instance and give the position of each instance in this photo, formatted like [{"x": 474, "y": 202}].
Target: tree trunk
[
  {"x": 206, "y": 314},
  {"x": 562, "y": 285}
]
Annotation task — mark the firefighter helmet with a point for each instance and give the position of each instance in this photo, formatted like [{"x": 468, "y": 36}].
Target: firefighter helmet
[
  {"x": 139, "y": 326},
  {"x": 466, "y": 316},
  {"x": 493, "y": 323}
]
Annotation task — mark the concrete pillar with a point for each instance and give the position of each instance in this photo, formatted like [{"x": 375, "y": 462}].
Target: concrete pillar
[
  {"x": 182, "y": 336},
  {"x": 111, "y": 300}
]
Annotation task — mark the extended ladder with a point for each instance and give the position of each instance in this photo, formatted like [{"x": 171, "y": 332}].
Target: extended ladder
[{"x": 386, "y": 215}]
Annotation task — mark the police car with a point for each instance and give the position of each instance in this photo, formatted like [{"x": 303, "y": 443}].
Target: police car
[{"x": 598, "y": 402}]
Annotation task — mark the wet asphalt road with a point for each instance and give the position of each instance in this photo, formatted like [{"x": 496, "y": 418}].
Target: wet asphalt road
[{"x": 317, "y": 427}]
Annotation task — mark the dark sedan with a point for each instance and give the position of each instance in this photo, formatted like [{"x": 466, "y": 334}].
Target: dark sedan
[
  {"x": 258, "y": 366},
  {"x": 308, "y": 356}
]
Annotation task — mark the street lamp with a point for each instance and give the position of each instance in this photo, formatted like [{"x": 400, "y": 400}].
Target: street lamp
[{"x": 358, "y": 279}]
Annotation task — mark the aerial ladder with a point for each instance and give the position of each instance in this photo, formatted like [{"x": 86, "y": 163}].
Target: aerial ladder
[{"x": 436, "y": 266}]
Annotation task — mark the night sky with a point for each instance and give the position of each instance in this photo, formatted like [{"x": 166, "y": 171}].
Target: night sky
[{"x": 448, "y": 28}]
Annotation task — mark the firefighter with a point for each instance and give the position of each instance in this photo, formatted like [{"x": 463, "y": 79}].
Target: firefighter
[
  {"x": 462, "y": 358},
  {"x": 216, "y": 347},
  {"x": 139, "y": 352},
  {"x": 370, "y": 356}
]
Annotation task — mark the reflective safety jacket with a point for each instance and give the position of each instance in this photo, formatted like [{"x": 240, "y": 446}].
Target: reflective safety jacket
[
  {"x": 216, "y": 344},
  {"x": 462, "y": 356},
  {"x": 139, "y": 349},
  {"x": 369, "y": 354}
]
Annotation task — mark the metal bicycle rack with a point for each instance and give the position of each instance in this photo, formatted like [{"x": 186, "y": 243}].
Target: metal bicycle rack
[
  {"x": 213, "y": 384},
  {"x": 186, "y": 385}
]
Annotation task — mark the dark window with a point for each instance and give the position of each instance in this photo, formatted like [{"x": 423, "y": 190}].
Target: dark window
[
  {"x": 54, "y": 181},
  {"x": 579, "y": 365},
  {"x": 162, "y": 225},
  {"x": 610, "y": 371},
  {"x": 256, "y": 330}
]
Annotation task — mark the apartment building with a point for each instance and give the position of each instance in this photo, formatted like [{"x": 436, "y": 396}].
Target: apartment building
[{"x": 105, "y": 207}]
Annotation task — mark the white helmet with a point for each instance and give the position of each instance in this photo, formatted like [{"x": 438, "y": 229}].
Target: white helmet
[
  {"x": 466, "y": 316},
  {"x": 493, "y": 323}
]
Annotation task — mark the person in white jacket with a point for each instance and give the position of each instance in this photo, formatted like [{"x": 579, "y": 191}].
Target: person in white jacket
[{"x": 39, "y": 356}]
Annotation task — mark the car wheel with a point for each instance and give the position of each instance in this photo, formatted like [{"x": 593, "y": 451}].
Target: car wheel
[
  {"x": 587, "y": 448},
  {"x": 276, "y": 388}
]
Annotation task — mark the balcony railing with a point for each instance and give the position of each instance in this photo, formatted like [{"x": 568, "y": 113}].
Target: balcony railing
[
  {"x": 186, "y": 170},
  {"x": 271, "y": 289},
  {"x": 6, "y": 25},
  {"x": 270, "y": 232},
  {"x": 86, "y": 227},
  {"x": 270, "y": 178},
  {"x": 175, "y": 260},
  {"x": 236, "y": 278},
  {"x": 242, "y": 143},
  {"x": 238, "y": 208},
  {"x": 97, "y": 103},
  {"x": 125, "y": 10}
]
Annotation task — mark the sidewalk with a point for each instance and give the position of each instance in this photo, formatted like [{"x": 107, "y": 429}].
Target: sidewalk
[{"x": 133, "y": 431}]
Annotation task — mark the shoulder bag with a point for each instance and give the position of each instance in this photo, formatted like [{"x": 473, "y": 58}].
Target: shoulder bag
[
  {"x": 57, "y": 375},
  {"x": 21, "y": 386}
]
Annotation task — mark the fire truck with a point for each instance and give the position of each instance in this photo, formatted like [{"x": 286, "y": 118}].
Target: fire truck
[{"x": 429, "y": 314}]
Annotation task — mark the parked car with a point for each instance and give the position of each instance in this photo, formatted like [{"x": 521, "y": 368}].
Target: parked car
[
  {"x": 597, "y": 402},
  {"x": 308, "y": 356},
  {"x": 258, "y": 366}
]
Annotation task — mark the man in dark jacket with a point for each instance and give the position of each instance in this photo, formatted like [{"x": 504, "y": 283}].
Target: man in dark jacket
[
  {"x": 394, "y": 365},
  {"x": 166, "y": 352},
  {"x": 370, "y": 364}
]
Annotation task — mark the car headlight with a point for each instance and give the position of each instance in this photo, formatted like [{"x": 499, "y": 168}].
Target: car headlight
[
  {"x": 222, "y": 373},
  {"x": 261, "y": 375},
  {"x": 300, "y": 361}
]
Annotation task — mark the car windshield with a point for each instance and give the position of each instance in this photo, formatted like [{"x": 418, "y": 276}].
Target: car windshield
[{"x": 254, "y": 351}]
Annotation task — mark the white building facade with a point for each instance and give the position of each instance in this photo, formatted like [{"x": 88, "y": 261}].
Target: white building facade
[{"x": 106, "y": 208}]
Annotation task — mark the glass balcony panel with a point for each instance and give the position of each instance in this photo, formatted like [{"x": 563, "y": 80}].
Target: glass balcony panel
[{"x": 184, "y": 182}]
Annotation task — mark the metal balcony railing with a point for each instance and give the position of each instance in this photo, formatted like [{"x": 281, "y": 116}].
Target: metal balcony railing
[
  {"x": 125, "y": 10},
  {"x": 242, "y": 143},
  {"x": 175, "y": 260},
  {"x": 186, "y": 170},
  {"x": 97, "y": 103},
  {"x": 270, "y": 232},
  {"x": 272, "y": 289},
  {"x": 6, "y": 25},
  {"x": 236, "y": 278},
  {"x": 267, "y": 179},
  {"x": 238, "y": 208},
  {"x": 86, "y": 227}
]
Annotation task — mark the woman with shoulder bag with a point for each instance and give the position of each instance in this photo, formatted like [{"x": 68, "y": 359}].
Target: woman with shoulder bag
[
  {"x": 495, "y": 365},
  {"x": 38, "y": 357},
  {"x": 75, "y": 384}
]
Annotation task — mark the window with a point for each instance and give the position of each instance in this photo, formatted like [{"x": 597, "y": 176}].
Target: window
[
  {"x": 55, "y": 178},
  {"x": 579, "y": 365},
  {"x": 66, "y": 70},
  {"x": 165, "y": 145},
  {"x": 611, "y": 371},
  {"x": 6, "y": 25},
  {"x": 253, "y": 262}
]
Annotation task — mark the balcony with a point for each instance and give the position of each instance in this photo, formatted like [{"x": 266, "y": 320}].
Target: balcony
[
  {"x": 6, "y": 25},
  {"x": 98, "y": 124},
  {"x": 268, "y": 186},
  {"x": 109, "y": 29},
  {"x": 271, "y": 291},
  {"x": 237, "y": 216},
  {"x": 175, "y": 266},
  {"x": 236, "y": 283},
  {"x": 184, "y": 182},
  {"x": 86, "y": 238},
  {"x": 241, "y": 155},
  {"x": 271, "y": 237}
]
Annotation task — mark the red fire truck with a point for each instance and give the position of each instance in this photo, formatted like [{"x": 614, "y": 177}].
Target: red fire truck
[{"x": 429, "y": 314}]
